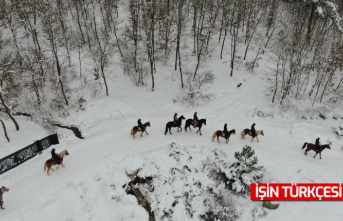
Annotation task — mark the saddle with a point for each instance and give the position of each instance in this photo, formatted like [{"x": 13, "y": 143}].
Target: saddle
[
  {"x": 57, "y": 161},
  {"x": 194, "y": 123}
]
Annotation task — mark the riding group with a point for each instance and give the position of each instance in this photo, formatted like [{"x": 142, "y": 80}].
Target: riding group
[
  {"x": 57, "y": 159},
  {"x": 195, "y": 122}
]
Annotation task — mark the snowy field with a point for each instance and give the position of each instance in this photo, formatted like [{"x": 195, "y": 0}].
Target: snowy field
[{"x": 90, "y": 185}]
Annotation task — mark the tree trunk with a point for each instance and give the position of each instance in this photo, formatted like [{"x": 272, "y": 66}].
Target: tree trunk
[
  {"x": 8, "y": 111},
  {"x": 5, "y": 131}
]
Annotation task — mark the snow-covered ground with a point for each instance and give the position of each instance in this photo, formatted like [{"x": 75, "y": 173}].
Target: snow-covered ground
[{"x": 90, "y": 185}]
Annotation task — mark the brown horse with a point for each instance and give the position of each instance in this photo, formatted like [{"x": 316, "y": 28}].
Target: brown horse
[
  {"x": 135, "y": 129},
  {"x": 220, "y": 133},
  {"x": 246, "y": 131},
  {"x": 2, "y": 190},
  {"x": 311, "y": 146},
  {"x": 51, "y": 162}
]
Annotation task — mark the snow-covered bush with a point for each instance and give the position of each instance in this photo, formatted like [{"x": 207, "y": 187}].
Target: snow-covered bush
[
  {"x": 193, "y": 92},
  {"x": 190, "y": 185},
  {"x": 245, "y": 171},
  {"x": 339, "y": 130}
]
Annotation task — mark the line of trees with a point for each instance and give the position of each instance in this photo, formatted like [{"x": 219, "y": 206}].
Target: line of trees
[{"x": 47, "y": 45}]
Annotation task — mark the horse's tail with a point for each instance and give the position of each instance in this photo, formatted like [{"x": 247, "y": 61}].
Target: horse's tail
[
  {"x": 242, "y": 133},
  {"x": 45, "y": 166},
  {"x": 214, "y": 135},
  {"x": 304, "y": 145},
  {"x": 165, "y": 133}
]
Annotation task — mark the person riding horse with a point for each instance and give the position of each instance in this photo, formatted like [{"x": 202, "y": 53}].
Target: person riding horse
[
  {"x": 225, "y": 130},
  {"x": 195, "y": 119},
  {"x": 55, "y": 156},
  {"x": 253, "y": 131},
  {"x": 140, "y": 125},
  {"x": 317, "y": 144},
  {"x": 2, "y": 190},
  {"x": 175, "y": 118}
]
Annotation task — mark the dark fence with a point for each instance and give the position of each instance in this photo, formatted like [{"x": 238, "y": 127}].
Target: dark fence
[{"x": 19, "y": 157}]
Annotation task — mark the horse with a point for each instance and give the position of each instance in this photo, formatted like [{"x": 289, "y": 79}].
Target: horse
[
  {"x": 199, "y": 124},
  {"x": 177, "y": 124},
  {"x": 2, "y": 190},
  {"x": 51, "y": 162},
  {"x": 246, "y": 131},
  {"x": 220, "y": 133},
  {"x": 311, "y": 146},
  {"x": 135, "y": 129}
]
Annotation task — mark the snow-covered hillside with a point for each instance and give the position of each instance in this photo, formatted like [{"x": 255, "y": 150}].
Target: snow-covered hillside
[
  {"x": 90, "y": 187},
  {"x": 58, "y": 61}
]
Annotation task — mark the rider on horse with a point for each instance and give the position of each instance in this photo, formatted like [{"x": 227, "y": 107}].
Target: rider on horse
[
  {"x": 175, "y": 118},
  {"x": 253, "y": 131},
  {"x": 55, "y": 156},
  {"x": 195, "y": 119},
  {"x": 140, "y": 125},
  {"x": 225, "y": 130},
  {"x": 317, "y": 144}
]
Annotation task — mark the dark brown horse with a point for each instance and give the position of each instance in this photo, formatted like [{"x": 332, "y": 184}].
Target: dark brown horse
[
  {"x": 189, "y": 122},
  {"x": 246, "y": 131},
  {"x": 2, "y": 190},
  {"x": 51, "y": 162},
  {"x": 311, "y": 146},
  {"x": 177, "y": 124},
  {"x": 135, "y": 129},
  {"x": 220, "y": 133}
]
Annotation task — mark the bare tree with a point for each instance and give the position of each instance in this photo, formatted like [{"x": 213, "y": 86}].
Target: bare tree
[
  {"x": 8, "y": 111},
  {"x": 50, "y": 28},
  {"x": 5, "y": 131}
]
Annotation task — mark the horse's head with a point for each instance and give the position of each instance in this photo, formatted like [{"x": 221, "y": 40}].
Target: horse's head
[
  {"x": 4, "y": 189},
  {"x": 204, "y": 121},
  {"x": 181, "y": 118},
  {"x": 327, "y": 146},
  {"x": 233, "y": 131},
  {"x": 147, "y": 124},
  {"x": 262, "y": 133},
  {"x": 63, "y": 153}
]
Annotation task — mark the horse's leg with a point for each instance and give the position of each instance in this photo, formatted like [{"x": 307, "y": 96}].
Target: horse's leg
[
  {"x": 146, "y": 132},
  {"x": 218, "y": 139},
  {"x": 320, "y": 155},
  {"x": 257, "y": 139},
  {"x": 315, "y": 155},
  {"x": 305, "y": 153}
]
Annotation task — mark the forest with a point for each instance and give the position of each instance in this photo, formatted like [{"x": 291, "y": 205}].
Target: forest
[{"x": 51, "y": 51}]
